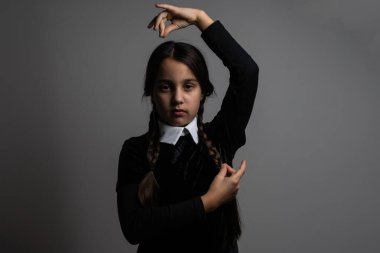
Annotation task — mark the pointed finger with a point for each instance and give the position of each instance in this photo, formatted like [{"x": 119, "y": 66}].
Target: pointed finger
[
  {"x": 166, "y": 6},
  {"x": 151, "y": 23},
  {"x": 241, "y": 170}
]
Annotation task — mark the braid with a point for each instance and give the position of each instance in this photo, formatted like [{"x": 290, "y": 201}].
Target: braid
[
  {"x": 154, "y": 144},
  {"x": 148, "y": 187},
  {"x": 212, "y": 151}
]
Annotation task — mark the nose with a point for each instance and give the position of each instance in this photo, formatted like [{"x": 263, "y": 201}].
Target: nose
[{"x": 177, "y": 97}]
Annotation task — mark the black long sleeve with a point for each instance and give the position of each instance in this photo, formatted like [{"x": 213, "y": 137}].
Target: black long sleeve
[{"x": 228, "y": 126}]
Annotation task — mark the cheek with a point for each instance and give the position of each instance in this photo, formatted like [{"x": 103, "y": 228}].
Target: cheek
[
  {"x": 197, "y": 102},
  {"x": 160, "y": 101}
]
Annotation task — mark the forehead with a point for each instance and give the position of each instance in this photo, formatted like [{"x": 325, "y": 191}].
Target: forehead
[{"x": 174, "y": 70}]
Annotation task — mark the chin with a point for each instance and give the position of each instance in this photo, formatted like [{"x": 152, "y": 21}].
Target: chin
[{"x": 179, "y": 123}]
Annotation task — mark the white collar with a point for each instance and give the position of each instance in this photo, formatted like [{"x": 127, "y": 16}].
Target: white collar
[{"x": 170, "y": 134}]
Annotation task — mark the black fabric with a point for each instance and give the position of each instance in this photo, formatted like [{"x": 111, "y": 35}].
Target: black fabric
[
  {"x": 179, "y": 223},
  {"x": 181, "y": 149}
]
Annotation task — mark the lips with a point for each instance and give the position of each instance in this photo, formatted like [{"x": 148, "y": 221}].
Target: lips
[{"x": 178, "y": 112}]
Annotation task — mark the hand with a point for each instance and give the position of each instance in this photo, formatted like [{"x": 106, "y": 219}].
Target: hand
[
  {"x": 179, "y": 17},
  {"x": 224, "y": 187}
]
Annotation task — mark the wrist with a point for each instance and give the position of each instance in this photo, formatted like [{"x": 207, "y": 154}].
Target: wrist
[
  {"x": 208, "y": 203},
  {"x": 203, "y": 20}
]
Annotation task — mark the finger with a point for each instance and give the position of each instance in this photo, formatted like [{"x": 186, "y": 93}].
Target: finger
[
  {"x": 166, "y": 6},
  {"x": 241, "y": 170},
  {"x": 169, "y": 16},
  {"x": 159, "y": 18},
  {"x": 170, "y": 28},
  {"x": 223, "y": 170},
  {"x": 230, "y": 169},
  {"x": 162, "y": 27},
  {"x": 151, "y": 23}
]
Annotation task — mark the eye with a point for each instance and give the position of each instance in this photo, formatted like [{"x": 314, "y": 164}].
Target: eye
[
  {"x": 189, "y": 86},
  {"x": 164, "y": 87}
]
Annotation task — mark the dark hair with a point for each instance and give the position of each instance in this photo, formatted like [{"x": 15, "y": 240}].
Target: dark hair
[
  {"x": 184, "y": 53},
  {"x": 194, "y": 60}
]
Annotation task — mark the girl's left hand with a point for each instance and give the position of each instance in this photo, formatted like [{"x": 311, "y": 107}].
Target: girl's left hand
[
  {"x": 224, "y": 187},
  {"x": 179, "y": 17}
]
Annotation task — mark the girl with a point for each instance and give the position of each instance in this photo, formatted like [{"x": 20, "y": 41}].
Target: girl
[{"x": 176, "y": 191}]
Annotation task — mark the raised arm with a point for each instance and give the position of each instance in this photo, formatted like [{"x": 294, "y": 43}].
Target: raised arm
[{"x": 228, "y": 126}]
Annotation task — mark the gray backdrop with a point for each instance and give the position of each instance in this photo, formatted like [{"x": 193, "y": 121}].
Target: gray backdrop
[{"x": 71, "y": 75}]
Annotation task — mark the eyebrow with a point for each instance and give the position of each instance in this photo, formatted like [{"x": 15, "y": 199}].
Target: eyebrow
[
  {"x": 163, "y": 81},
  {"x": 184, "y": 81},
  {"x": 190, "y": 80}
]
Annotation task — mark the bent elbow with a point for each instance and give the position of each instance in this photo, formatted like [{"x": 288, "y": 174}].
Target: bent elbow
[
  {"x": 129, "y": 226},
  {"x": 130, "y": 235},
  {"x": 253, "y": 68},
  {"x": 249, "y": 69},
  {"x": 132, "y": 240}
]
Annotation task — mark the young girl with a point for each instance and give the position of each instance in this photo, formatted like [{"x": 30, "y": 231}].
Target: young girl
[{"x": 176, "y": 191}]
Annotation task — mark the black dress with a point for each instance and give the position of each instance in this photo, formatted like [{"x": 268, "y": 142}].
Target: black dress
[{"x": 179, "y": 223}]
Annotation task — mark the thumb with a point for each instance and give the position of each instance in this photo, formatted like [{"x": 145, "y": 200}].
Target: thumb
[{"x": 170, "y": 28}]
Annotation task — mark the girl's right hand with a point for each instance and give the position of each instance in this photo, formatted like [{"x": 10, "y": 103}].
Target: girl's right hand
[
  {"x": 179, "y": 17},
  {"x": 223, "y": 188}
]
